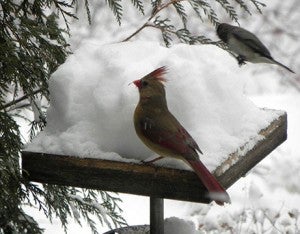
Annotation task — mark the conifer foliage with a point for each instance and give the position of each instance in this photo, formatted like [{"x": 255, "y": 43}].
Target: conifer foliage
[
  {"x": 32, "y": 46},
  {"x": 182, "y": 8}
]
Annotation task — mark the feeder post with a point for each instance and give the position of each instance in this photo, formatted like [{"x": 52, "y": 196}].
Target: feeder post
[{"x": 156, "y": 215}]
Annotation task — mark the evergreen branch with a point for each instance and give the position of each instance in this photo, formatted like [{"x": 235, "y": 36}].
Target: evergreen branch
[
  {"x": 243, "y": 5},
  {"x": 87, "y": 8},
  {"x": 155, "y": 3},
  {"x": 229, "y": 9},
  {"x": 196, "y": 9},
  {"x": 139, "y": 5},
  {"x": 158, "y": 6},
  {"x": 136, "y": 32},
  {"x": 32, "y": 46},
  {"x": 181, "y": 12},
  {"x": 185, "y": 36},
  {"x": 207, "y": 10},
  {"x": 26, "y": 96},
  {"x": 258, "y": 5},
  {"x": 116, "y": 7},
  {"x": 59, "y": 5},
  {"x": 87, "y": 200},
  {"x": 163, "y": 6},
  {"x": 223, "y": 46},
  {"x": 211, "y": 14},
  {"x": 166, "y": 28}
]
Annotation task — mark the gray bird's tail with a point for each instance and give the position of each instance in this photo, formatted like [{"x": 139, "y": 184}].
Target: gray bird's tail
[{"x": 280, "y": 64}]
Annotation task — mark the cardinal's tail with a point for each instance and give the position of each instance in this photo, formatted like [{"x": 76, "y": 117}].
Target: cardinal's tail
[{"x": 216, "y": 191}]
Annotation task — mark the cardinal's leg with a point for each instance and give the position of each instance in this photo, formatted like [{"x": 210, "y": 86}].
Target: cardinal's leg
[{"x": 153, "y": 160}]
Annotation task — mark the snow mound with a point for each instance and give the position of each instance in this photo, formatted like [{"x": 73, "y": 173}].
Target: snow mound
[
  {"x": 174, "y": 225},
  {"x": 91, "y": 107}
]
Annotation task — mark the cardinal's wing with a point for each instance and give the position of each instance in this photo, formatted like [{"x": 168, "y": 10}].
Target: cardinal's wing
[{"x": 169, "y": 133}]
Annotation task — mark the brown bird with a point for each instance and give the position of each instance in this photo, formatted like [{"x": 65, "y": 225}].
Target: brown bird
[{"x": 162, "y": 133}]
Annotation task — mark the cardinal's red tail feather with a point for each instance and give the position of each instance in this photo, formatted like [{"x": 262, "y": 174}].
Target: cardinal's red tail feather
[{"x": 216, "y": 191}]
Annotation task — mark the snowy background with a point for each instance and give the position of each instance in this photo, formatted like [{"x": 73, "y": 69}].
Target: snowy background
[{"x": 266, "y": 200}]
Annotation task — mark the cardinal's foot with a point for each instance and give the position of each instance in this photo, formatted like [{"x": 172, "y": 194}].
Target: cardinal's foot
[{"x": 152, "y": 161}]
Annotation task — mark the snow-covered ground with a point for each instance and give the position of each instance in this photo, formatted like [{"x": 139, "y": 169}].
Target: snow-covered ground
[{"x": 205, "y": 90}]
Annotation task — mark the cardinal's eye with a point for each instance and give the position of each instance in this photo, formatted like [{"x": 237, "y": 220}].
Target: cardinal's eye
[{"x": 144, "y": 83}]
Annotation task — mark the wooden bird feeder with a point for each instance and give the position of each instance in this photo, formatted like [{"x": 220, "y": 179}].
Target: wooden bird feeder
[{"x": 149, "y": 180}]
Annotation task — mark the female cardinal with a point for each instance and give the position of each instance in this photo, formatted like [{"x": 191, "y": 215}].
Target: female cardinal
[
  {"x": 246, "y": 45},
  {"x": 162, "y": 133}
]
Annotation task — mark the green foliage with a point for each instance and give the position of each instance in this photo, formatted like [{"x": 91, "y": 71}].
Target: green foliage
[
  {"x": 166, "y": 29},
  {"x": 116, "y": 7},
  {"x": 139, "y": 5},
  {"x": 203, "y": 9},
  {"x": 181, "y": 12},
  {"x": 258, "y": 5},
  {"x": 87, "y": 8},
  {"x": 64, "y": 202},
  {"x": 32, "y": 46},
  {"x": 243, "y": 5},
  {"x": 229, "y": 9}
]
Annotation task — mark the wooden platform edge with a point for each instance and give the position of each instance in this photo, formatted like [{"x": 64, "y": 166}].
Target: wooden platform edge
[
  {"x": 237, "y": 164},
  {"x": 143, "y": 179}
]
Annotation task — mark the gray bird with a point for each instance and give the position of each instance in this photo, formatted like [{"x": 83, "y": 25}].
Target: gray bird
[{"x": 246, "y": 45}]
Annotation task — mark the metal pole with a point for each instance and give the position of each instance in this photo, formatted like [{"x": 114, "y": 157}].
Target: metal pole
[{"x": 156, "y": 215}]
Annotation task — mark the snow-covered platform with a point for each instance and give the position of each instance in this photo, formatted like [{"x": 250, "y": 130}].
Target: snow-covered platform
[
  {"x": 151, "y": 180},
  {"x": 89, "y": 140}
]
